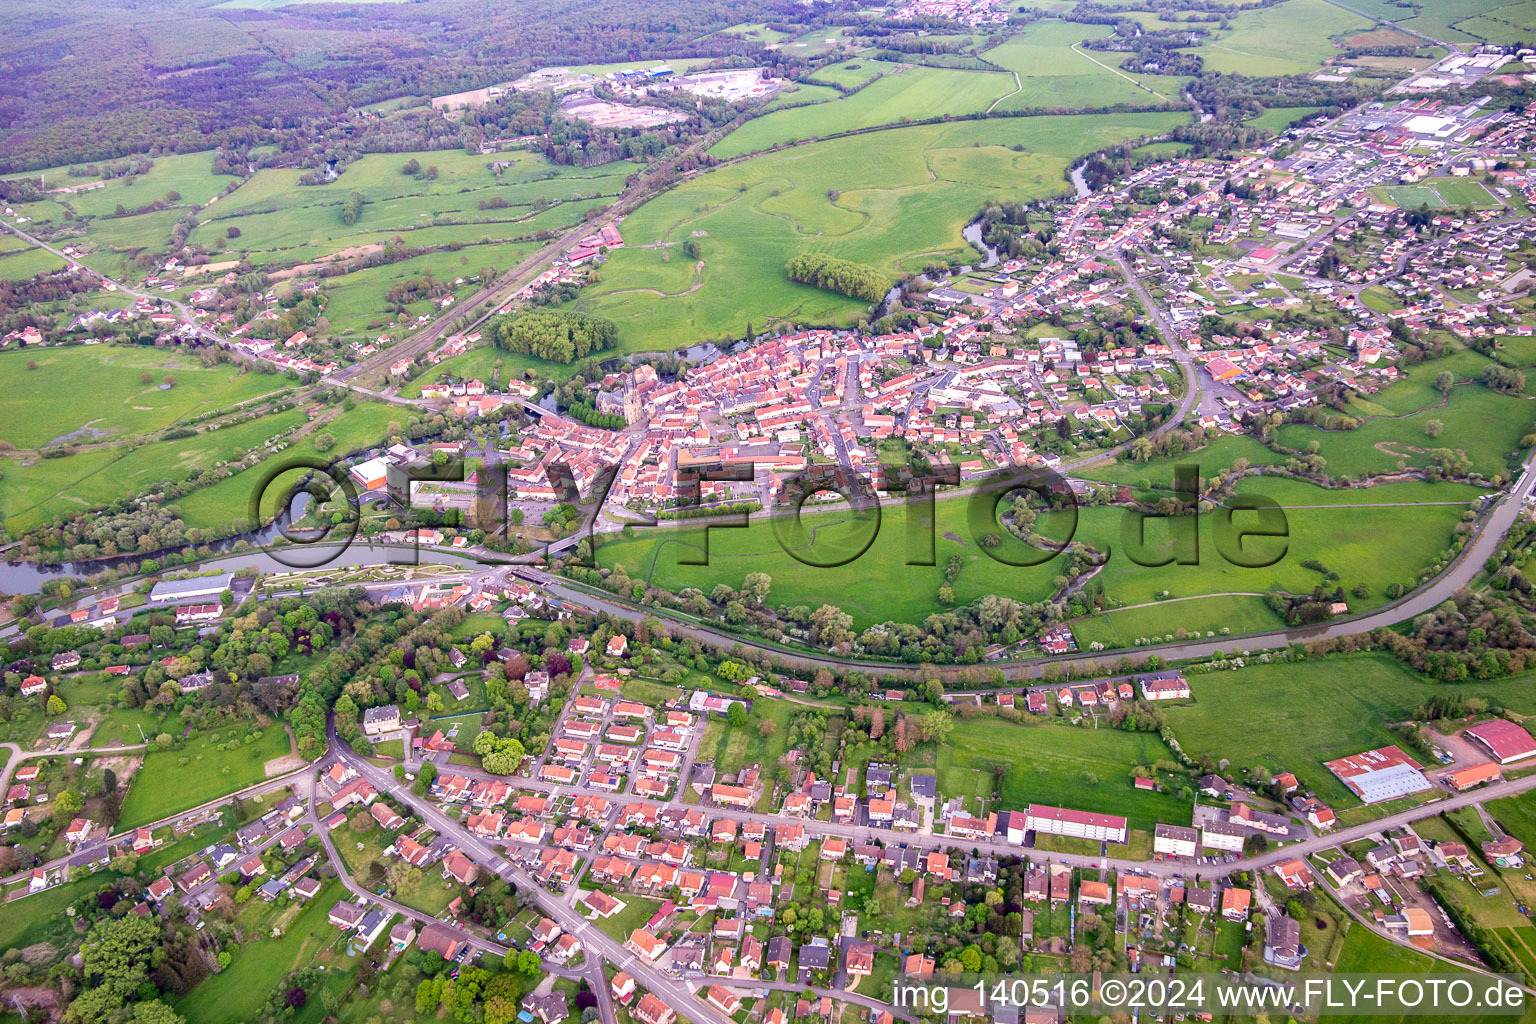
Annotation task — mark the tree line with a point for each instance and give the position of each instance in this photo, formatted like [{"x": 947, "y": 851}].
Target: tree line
[{"x": 855, "y": 280}]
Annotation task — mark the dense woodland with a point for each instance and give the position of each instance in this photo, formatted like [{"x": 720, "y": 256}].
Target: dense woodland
[
  {"x": 121, "y": 77},
  {"x": 559, "y": 336}
]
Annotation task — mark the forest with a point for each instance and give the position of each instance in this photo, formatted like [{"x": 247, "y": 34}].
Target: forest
[
  {"x": 557, "y": 335},
  {"x": 119, "y": 78}
]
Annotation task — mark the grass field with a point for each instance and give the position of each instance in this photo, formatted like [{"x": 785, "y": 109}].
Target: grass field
[
  {"x": 1294, "y": 717},
  {"x": 35, "y": 490},
  {"x": 1287, "y": 39},
  {"x": 1052, "y": 75},
  {"x": 1439, "y": 193},
  {"x": 896, "y": 200},
  {"x": 1365, "y": 952},
  {"x": 1482, "y": 423},
  {"x": 163, "y": 785},
  {"x": 238, "y": 992},
  {"x": 1347, "y": 540},
  {"x": 1082, "y": 768},
  {"x": 226, "y": 504},
  {"x": 902, "y": 92},
  {"x": 280, "y": 219},
  {"x": 1457, "y": 21},
  {"x": 20, "y": 264},
  {"x": 120, "y": 405}
]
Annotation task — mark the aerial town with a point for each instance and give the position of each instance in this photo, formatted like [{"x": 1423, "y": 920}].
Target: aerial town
[{"x": 1134, "y": 593}]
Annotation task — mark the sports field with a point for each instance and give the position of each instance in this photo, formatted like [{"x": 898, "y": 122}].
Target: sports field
[
  {"x": 896, "y": 200},
  {"x": 1439, "y": 194}
]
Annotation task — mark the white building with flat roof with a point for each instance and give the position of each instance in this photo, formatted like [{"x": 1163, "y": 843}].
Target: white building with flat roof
[{"x": 187, "y": 591}]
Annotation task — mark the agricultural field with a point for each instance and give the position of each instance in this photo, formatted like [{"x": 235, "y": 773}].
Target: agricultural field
[
  {"x": 1458, "y": 21},
  {"x": 33, "y": 491},
  {"x": 122, "y": 402},
  {"x": 282, "y": 221},
  {"x": 1055, "y": 76},
  {"x": 1288, "y": 39},
  {"x": 20, "y": 262},
  {"x": 1312, "y": 712},
  {"x": 902, "y": 92},
  {"x": 1347, "y": 539},
  {"x": 201, "y": 769},
  {"x": 896, "y": 200}
]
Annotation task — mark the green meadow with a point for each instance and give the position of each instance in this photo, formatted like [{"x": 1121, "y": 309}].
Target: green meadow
[
  {"x": 226, "y": 505},
  {"x": 1290, "y": 38},
  {"x": 174, "y": 780},
  {"x": 1082, "y": 768},
  {"x": 1346, "y": 540},
  {"x": 45, "y": 403},
  {"x": 896, "y": 200},
  {"x": 1479, "y": 422},
  {"x": 1054, "y": 76},
  {"x": 902, "y": 92},
  {"x": 33, "y": 491},
  {"x": 281, "y": 220},
  {"x": 1458, "y": 21},
  {"x": 1295, "y": 716}
]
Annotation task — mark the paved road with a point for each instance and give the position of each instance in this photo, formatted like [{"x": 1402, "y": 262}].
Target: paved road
[
  {"x": 1489, "y": 533},
  {"x": 925, "y": 841},
  {"x": 673, "y": 992},
  {"x": 257, "y": 789}
]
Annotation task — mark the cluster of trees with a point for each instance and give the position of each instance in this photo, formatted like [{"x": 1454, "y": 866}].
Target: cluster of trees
[
  {"x": 1005, "y": 227},
  {"x": 843, "y": 276},
  {"x": 560, "y": 336},
  {"x": 499, "y": 755}
]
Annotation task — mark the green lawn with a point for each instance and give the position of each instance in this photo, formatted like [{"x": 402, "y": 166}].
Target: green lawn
[
  {"x": 238, "y": 992},
  {"x": 1081, "y": 768},
  {"x": 637, "y": 910},
  {"x": 163, "y": 786}
]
